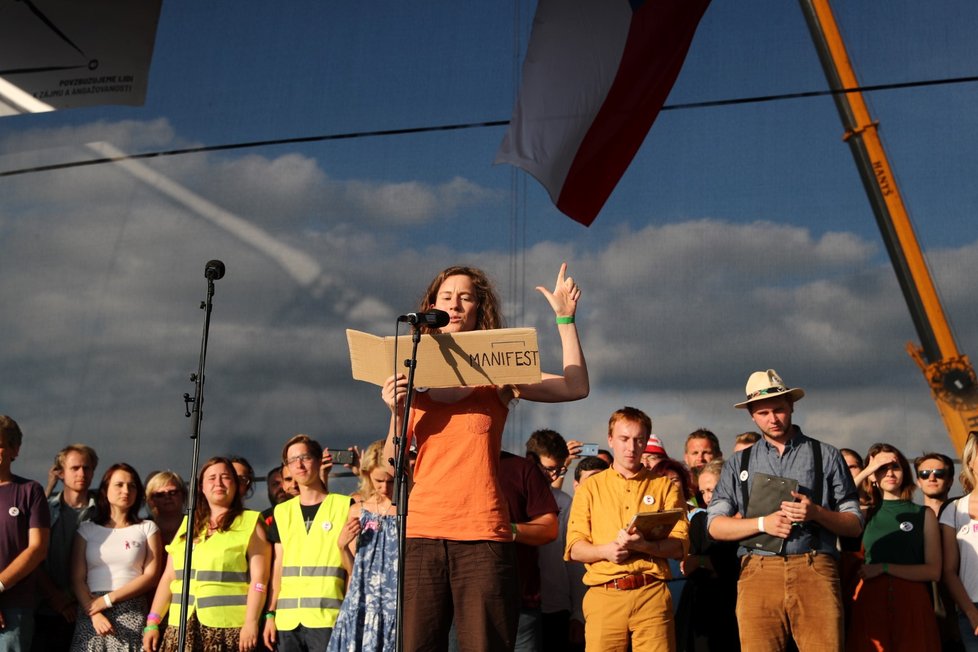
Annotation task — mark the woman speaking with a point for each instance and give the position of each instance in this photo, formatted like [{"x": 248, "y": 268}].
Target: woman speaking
[{"x": 460, "y": 558}]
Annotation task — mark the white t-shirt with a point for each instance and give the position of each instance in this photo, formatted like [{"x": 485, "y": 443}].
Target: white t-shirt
[
  {"x": 956, "y": 517},
  {"x": 115, "y": 556}
]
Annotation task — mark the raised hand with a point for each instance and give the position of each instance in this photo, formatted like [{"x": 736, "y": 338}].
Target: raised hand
[
  {"x": 566, "y": 293},
  {"x": 880, "y": 460}
]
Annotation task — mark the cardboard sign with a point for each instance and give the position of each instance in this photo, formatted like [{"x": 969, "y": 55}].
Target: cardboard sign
[{"x": 505, "y": 356}]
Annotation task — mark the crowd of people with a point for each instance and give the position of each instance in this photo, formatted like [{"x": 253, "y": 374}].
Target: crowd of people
[{"x": 788, "y": 543}]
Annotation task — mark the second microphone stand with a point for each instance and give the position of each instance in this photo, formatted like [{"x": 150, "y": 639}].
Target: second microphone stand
[{"x": 401, "y": 485}]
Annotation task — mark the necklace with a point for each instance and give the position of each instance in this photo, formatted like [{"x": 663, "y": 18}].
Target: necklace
[{"x": 374, "y": 504}]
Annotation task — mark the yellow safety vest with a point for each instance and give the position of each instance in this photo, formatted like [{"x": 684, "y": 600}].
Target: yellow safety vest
[
  {"x": 219, "y": 578},
  {"x": 313, "y": 577}
]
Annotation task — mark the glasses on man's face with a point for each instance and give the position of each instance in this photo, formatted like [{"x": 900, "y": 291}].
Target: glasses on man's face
[
  {"x": 172, "y": 493},
  {"x": 938, "y": 474},
  {"x": 303, "y": 457},
  {"x": 553, "y": 471}
]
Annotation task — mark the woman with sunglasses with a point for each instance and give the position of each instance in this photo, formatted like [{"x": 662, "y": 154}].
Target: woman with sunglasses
[
  {"x": 166, "y": 494},
  {"x": 458, "y": 520},
  {"x": 891, "y": 606},
  {"x": 959, "y": 533},
  {"x": 246, "y": 476}
]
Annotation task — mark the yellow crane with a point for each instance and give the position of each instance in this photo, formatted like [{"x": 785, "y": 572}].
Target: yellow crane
[{"x": 948, "y": 372}]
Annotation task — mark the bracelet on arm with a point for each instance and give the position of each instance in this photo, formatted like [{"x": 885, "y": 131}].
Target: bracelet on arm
[
  {"x": 760, "y": 523},
  {"x": 513, "y": 526},
  {"x": 2, "y": 587},
  {"x": 107, "y": 600},
  {"x": 153, "y": 618},
  {"x": 565, "y": 320},
  {"x": 269, "y": 614},
  {"x": 151, "y": 628}
]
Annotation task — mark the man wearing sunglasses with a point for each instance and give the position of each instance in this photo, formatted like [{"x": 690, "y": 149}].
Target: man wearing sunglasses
[{"x": 935, "y": 475}]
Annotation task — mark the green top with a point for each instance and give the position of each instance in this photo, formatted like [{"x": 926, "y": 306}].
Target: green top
[{"x": 895, "y": 534}]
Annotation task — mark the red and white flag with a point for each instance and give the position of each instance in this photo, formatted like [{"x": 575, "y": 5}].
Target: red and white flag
[{"x": 595, "y": 77}]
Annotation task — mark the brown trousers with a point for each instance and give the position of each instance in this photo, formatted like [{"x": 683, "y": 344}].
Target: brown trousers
[
  {"x": 474, "y": 581},
  {"x": 795, "y": 596}
]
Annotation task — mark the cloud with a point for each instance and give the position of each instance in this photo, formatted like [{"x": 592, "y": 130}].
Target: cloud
[
  {"x": 102, "y": 277},
  {"x": 410, "y": 202},
  {"x": 285, "y": 192}
]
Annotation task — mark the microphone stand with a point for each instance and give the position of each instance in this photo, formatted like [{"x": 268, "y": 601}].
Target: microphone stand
[
  {"x": 213, "y": 271},
  {"x": 401, "y": 488}
]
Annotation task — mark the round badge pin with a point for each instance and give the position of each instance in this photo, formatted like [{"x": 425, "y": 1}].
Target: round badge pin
[
  {"x": 743, "y": 475},
  {"x": 13, "y": 511},
  {"x": 648, "y": 500},
  {"x": 906, "y": 526},
  {"x": 327, "y": 526}
]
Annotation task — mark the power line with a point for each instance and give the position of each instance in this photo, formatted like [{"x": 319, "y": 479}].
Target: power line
[{"x": 759, "y": 99}]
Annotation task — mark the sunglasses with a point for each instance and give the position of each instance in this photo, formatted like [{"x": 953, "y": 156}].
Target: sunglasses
[
  {"x": 172, "y": 493},
  {"x": 939, "y": 474}
]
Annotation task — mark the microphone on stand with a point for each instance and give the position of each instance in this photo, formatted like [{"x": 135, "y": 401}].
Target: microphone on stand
[
  {"x": 214, "y": 270},
  {"x": 431, "y": 319}
]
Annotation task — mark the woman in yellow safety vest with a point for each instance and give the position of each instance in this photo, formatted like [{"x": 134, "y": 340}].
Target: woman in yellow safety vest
[{"x": 230, "y": 563}]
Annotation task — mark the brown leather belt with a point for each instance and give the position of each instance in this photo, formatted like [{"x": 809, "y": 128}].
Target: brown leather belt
[{"x": 630, "y": 582}]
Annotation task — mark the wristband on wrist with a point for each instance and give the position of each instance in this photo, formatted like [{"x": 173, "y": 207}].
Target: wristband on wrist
[
  {"x": 151, "y": 628},
  {"x": 270, "y": 614},
  {"x": 565, "y": 320},
  {"x": 513, "y": 526},
  {"x": 760, "y": 523},
  {"x": 153, "y": 619},
  {"x": 107, "y": 600},
  {"x": 2, "y": 587}
]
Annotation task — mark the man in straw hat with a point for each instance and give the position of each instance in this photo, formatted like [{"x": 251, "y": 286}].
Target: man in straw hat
[{"x": 789, "y": 582}]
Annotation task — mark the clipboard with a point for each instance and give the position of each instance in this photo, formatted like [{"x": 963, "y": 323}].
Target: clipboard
[
  {"x": 767, "y": 492},
  {"x": 656, "y": 525}
]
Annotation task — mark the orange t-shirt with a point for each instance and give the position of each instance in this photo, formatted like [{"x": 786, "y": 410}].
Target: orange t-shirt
[{"x": 456, "y": 494}]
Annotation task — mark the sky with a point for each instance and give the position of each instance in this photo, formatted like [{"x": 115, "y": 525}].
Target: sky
[{"x": 740, "y": 239}]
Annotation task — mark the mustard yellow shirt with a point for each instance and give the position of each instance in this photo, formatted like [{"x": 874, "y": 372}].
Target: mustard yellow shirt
[{"x": 605, "y": 503}]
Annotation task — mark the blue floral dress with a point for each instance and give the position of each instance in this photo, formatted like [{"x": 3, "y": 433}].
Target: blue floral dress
[{"x": 368, "y": 616}]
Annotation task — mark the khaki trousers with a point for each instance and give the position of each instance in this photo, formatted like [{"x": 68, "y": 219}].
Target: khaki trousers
[
  {"x": 795, "y": 596},
  {"x": 642, "y": 616}
]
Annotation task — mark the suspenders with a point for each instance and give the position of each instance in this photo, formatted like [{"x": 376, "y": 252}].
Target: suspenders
[{"x": 819, "y": 475}]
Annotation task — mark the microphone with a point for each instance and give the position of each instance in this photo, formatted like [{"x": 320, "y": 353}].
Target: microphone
[
  {"x": 214, "y": 270},
  {"x": 431, "y": 319}
]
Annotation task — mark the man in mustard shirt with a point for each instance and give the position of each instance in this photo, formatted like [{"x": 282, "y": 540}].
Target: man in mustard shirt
[{"x": 627, "y": 601}]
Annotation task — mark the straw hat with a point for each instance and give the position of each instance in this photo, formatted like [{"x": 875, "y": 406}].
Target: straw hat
[{"x": 768, "y": 384}]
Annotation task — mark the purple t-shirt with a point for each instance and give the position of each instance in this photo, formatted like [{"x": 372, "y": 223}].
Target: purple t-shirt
[{"x": 22, "y": 507}]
